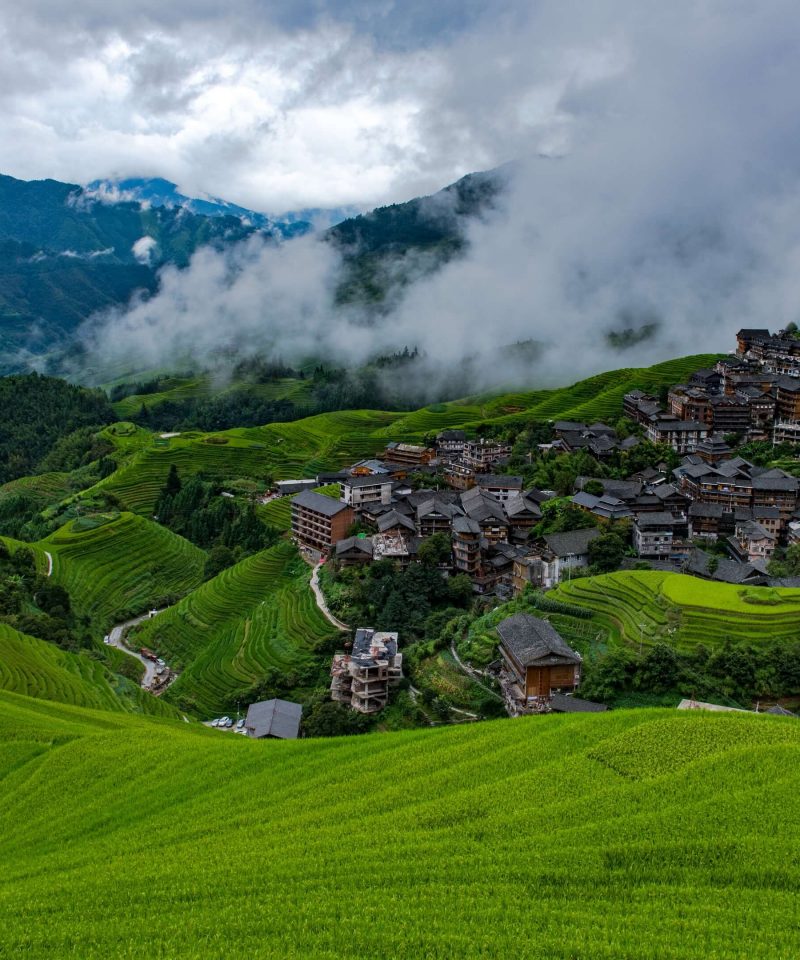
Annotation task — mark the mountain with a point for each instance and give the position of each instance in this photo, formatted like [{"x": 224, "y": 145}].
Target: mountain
[
  {"x": 388, "y": 248},
  {"x": 67, "y": 252},
  {"x": 157, "y": 192}
]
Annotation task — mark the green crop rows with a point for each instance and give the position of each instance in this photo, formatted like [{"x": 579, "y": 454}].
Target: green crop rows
[
  {"x": 686, "y": 611},
  {"x": 627, "y": 836},
  {"x": 257, "y": 615},
  {"x": 303, "y": 448},
  {"x": 122, "y": 566},
  {"x": 39, "y": 669}
]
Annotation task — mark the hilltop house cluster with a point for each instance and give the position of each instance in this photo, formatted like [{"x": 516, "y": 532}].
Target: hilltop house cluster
[{"x": 489, "y": 515}]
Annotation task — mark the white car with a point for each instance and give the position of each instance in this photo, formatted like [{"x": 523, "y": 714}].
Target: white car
[
  {"x": 215, "y": 723},
  {"x": 240, "y": 724},
  {"x": 229, "y": 722}
]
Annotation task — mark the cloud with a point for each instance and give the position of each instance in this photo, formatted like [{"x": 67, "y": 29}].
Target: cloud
[
  {"x": 144, "y": 249},
  {"x": 657, "y": 178}
]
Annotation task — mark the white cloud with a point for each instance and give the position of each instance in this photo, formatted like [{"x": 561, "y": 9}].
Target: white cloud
[{"x": 144, "y": 249}]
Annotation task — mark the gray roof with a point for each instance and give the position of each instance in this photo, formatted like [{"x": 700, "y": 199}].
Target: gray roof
[
  {"x": 499, "y": 480},
  {"x": 561, "y": 703},
  {"x": 571, "y": 543},
  {"x": 466, "y": 525},
  {"x": 362, "y": 544},
  {"x": 786, "y": 484},
  {"x": 395, "y": 519},
  {"x": 780, "y": 711},
  {"x": 274, "y": 718},
  {"x": 657, "y": 518},
  {"x": 373, "y": 480},
  {"x": 534, "y": 642},
  {"x": 320, "y": 503}
]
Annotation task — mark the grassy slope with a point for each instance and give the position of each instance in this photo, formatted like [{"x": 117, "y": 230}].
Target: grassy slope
[
  {"x": 123, "y": 566},
  {"x": 698, "y": 611},
  {"x": 257, "y": 615},
  {"x": 628, "y": 835},
  {"x": 38, "y": 669},
  {"x": 331, "y": 440}
]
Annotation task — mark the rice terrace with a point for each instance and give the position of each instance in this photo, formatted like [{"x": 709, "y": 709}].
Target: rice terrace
[{"x": 400, "y": 481}]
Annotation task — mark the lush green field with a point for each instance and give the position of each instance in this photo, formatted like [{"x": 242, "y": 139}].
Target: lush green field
[
  {"x": 331, "y": 440},
  {"x": 119, "y": 567},
  {"x": 626, "y": 836},
  {"x": 684, "y": 610},
  {"x": 253, "y": 617},
  {"x": 38, "y": 669}
]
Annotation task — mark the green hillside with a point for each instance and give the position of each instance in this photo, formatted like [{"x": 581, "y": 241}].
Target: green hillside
[
  {"x": 114, "y": 566},
  {"x": 39, "y": 669},
  {"x": 302, "y": 448},
  {"x": 256, "y": 616},
  {"x": 627, "y": 836},
  {"x": 682, "y": 610}
]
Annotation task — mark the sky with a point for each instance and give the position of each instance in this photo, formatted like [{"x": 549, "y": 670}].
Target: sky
[{"x": 657, "y": 152}]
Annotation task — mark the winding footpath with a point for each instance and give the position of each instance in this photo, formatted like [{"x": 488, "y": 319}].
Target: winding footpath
[{"x": 323, "y": 606}]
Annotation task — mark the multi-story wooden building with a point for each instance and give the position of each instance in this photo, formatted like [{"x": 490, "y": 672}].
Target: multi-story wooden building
[
  {"x": 409, "y": 454},
  {"x": 318, "y": 521},
  {"x": 536, "y": 663}
]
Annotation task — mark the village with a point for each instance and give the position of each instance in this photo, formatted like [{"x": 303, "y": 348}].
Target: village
[{"x": 713, "y": 514}]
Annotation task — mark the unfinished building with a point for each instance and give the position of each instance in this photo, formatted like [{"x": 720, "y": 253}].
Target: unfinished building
[{"x": 363, "y": 677}]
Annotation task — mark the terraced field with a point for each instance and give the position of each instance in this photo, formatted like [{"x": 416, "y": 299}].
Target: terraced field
[
  {"x": 255, "y": 616},
  {"x": 651, "y": 606},
  {"x": 302, "y": 448},
  {"x": 38, "y": 669},
  {"x": 120, "y": 567},
  {"x": 278, "y": 513},
  {"x": 626, "y": 836}
]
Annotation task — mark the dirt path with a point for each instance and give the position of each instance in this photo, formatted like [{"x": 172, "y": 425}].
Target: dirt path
[
  {"x": 472, "y": 674},
  {"x": 49, "y": 563},
  {"x": 323, "y": 606},
  {"x": 116, "y": 639}
]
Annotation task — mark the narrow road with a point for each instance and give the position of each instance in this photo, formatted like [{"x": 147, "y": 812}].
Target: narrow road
[
  {"x": 323, "y": 606},
  {"x": 49, "y": 563},
  {"x": 115, "y": 639}
]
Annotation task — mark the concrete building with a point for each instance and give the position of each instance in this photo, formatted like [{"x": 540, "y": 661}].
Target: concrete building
[
  {"x": 362, "y": 678},
  {"x": 318, "y": 521}
]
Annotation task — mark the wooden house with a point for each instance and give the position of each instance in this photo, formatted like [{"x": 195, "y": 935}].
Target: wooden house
[{"x": 536, "y": 661}]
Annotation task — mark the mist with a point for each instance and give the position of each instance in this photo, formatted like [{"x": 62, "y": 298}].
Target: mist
[{"x": 655, "y": 188}]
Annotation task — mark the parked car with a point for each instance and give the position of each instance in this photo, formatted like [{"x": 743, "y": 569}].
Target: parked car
[
  {"x": 229, "y": 722},
  {"x": 240, "y": 724},
  {"x": 215, "y": 723}
]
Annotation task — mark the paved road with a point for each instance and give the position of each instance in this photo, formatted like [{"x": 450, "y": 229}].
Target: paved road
[
  {"x": 49, "y": 563},
  {"x": 116, "y": 640},
  {"x": 321, "y": 601}
]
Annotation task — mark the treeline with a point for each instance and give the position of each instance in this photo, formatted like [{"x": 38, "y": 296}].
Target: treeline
[
  {"x": 738, "y": 671},
  {"x": 196, "y": 510},
  {"x": 35, "y": 605},
  {"x": 37, "y": 411}
]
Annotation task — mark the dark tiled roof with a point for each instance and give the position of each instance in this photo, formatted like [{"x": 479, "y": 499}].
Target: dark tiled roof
[
  {"x": 394, "y": 519},
  {"x": 320, "y": 503},
  {"x": 561, "y": 703},
  {"x": 361, "y": 544},
  {"x": 274, "y": 718},
  {"x": 573, "y": 542},
  {"x": 534, "y": 641},
  {"x": 499, "y": 480}
]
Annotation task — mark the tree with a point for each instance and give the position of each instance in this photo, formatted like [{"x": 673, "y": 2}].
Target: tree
[
  {"x": 219, "y": 559},
  {"x": 329, "y": 719},
  {"x": 173, "y": 485},
  {"x": 435, "y": 551},
  {"x": 606, "y": 551},
  {"x": 460, "y": 589},
  {"x": 593, "y": 487}
]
